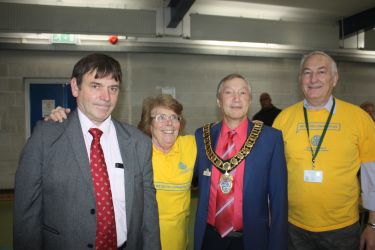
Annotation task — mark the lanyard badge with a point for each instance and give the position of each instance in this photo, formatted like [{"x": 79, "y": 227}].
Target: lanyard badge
[{"x": 316, "y": 175}]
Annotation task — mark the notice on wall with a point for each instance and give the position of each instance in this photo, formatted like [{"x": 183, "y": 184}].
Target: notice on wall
[
  {"x": 47, "y": 106},
  {"x": 169, "y": 91}
]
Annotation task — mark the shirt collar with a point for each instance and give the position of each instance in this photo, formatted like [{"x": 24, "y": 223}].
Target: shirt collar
[
  {"x": 327, "y": 106},
  {"x": 86, "y": 123},
  {"x": 174, "y": 150},
  {"x": 241, "y": 128}
]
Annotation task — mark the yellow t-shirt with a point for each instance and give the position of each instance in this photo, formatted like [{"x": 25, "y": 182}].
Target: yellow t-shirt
[
  {"x": 349, "y": 141},
  {"x": 173, "y": 173}
]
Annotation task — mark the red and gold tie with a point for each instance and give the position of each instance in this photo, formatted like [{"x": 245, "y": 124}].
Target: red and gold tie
[
  {"x": 225, "y": 202},
  {"x": 105, "y": 216}
]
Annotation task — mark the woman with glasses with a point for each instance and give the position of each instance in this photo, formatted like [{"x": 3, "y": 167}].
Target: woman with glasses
[{"x": 173, "y": 158}]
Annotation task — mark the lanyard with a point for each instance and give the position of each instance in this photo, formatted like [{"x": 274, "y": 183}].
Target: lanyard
[{"x": 314, "y": 154}]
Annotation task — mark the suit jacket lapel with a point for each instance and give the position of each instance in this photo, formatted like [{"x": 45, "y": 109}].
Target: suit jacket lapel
[
  {"x": 215, "y": 133},
  {"x": 126, "y": 149},
  {"x": 74, "y": 133},
  {"x": 248, "y": 161},
  {"x": 249, "y": 127}
]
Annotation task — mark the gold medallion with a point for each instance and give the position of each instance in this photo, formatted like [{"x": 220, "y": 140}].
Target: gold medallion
[{"x": 226, "y": 183}]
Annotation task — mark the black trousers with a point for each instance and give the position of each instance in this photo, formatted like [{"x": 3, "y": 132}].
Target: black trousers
[
  {"x": 346, "y": 238},
  {"x": 213, "y": 241}
]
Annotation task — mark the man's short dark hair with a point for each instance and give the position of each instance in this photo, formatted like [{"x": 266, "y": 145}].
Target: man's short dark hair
[{"x": 103, "y": 65}]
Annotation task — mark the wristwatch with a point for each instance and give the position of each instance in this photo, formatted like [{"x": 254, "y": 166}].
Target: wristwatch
[{"x": 372, "y": 225}]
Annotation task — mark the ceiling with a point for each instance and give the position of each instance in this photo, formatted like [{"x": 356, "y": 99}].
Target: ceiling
[
  {"x": 330, "y": 9},
  {"x": 319, "y": 11},
  {"x": 335, "y": 9},
  {"x": 299, "y": 21}
]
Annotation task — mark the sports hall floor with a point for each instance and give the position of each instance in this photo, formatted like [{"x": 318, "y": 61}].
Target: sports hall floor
[{"x": 6, "y": 221}]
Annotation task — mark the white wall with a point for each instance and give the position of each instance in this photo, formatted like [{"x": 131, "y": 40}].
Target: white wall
[{"x": 195, "y": 78}]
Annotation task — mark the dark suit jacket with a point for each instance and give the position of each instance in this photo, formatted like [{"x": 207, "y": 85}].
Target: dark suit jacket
[
  {"x": 264, "y": 191},
  {"x": 267, "y": 115},
  {"x": 54, "y": 197}
]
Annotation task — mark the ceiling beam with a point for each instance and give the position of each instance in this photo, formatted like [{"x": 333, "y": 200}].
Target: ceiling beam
[
  {"x": 362, "y": 21},
  {"x": 179, "y": 8},
  {"x": 34, "y": 18}
]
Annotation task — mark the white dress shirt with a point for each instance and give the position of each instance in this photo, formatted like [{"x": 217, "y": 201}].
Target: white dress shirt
[{"x": 112, "y": 156}]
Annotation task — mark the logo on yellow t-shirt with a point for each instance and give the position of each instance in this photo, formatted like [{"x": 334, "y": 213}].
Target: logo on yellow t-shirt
[
  {"x": 315, "y": 140},
  {"x": 183, "y": 168}
]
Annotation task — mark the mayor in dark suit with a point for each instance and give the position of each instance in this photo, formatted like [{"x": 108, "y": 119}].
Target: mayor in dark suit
[
  {"x": 86, "y": 183},
  {"x": 242, "y": 178}
]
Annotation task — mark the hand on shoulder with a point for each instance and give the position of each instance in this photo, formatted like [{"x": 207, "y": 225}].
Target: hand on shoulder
[{"x": 58, "y": 114}]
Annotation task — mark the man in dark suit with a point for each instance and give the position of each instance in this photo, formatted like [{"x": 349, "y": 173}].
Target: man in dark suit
[
  {"x": 268, "y": 112},
  {"x": 242, "y": 177},
  {"x": 58, "y": 204}
]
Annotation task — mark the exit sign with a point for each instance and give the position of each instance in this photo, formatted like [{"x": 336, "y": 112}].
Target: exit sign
[{"x": 63, "y": 38}]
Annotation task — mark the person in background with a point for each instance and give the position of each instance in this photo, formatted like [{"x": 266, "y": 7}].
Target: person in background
[
  {"x": 173, "y": 158},
  {"x": 268, "y": 111},
  {"x": 369, "y": 108},
  {"x": 242, "y": 179},
  {"x": 87, "y": 182},
  {"x": 326, "y": 141}
]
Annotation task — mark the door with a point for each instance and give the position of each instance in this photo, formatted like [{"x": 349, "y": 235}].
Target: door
[{"x": 44, "y": 95}]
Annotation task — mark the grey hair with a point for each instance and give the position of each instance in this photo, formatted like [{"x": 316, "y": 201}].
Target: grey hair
[
  {"x": 306, "y": 56},
  {"x": 230, "y": 77}
]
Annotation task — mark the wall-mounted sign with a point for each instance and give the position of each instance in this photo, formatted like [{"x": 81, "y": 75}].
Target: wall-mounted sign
[
  {"x": 64, "y": 38},
  {"x": 169, "y": 91},
  {"x": 47, "y": 106}
]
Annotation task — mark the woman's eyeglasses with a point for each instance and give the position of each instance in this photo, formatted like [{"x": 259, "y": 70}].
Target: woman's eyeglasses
[{"x": 162, "y": 118}]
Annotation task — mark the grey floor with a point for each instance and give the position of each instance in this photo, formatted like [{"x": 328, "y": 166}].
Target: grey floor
[{"x": 6, "y": 222}]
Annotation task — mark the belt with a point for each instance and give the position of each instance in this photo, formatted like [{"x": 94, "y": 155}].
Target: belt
[{"x": 235, "y": 234}]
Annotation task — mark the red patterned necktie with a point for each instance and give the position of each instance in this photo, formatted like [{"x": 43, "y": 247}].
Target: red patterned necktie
[
  {"x": 105, "y": 216},
  {"x": 225, "y": 202}
]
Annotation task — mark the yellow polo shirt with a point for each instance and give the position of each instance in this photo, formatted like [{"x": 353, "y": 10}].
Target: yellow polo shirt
[{"x": 173, "y": 173}]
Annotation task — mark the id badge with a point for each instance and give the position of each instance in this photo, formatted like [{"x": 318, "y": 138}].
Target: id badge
[{"x": 313, "y": 176}]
